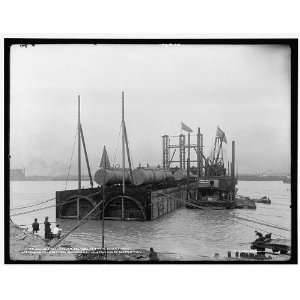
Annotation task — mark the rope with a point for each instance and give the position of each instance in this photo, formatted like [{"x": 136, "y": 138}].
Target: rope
[
  {"x": 261, "y": 223},
  {"x": 70, "y": 163},
  {"x": 21, "y": 207},
  {"x": 263, "y": 230},
  {"x": 117, "y": 146},
  {"x": 272, "y": 224},
  {"x": 52, "y": 222},
  {"x": 77, "y": 225},
  {"x": 30, "y": 211},
  {"x": 56, "y": 205},
  {"x": 132, "y": 165}
]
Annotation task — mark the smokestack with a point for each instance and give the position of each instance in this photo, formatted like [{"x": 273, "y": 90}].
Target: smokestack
[
  {"x": 198, "y": 154},
  {"x": 233, "y": 160}
]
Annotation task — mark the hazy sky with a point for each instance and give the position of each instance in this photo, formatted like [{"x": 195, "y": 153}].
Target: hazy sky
[{"x": 243, "y": 89}]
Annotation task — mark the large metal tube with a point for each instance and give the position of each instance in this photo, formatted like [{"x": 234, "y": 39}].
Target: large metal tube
[
  {"x": 181, "y": 174},
  {"x": 150, "y": 176},
  {"x": 111, "y": 176}
]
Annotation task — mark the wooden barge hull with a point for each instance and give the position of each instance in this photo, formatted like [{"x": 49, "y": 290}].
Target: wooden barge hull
[
  {"x": 144, "y": 202},
  {"x": 139, "y": 203}
]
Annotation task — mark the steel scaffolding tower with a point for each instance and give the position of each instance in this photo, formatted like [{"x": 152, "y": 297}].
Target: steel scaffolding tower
[
  {"x": 182, "y": 151},
  {"x": 166, "y": 151},
  {"x": 183, "y": 147}
]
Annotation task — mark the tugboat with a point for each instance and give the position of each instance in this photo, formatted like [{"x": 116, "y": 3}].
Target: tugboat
[
  {"x": 217, "y": 188},
  {"x": 247, "y": 202},
  {"x": 244, "y": 202},
  {"x": 264, "y": 199}
]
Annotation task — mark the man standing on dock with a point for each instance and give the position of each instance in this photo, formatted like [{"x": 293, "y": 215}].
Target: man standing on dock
[
  {"x": 35, "y": 226},
  {"x": 47, "y": 229},
  {"x": 153, "y": 255}
]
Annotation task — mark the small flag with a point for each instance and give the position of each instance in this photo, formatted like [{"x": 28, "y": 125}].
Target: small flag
[
  {"x": 185, "y": 127},
  {"x": 105, "y": 164},
  {"x": 221, "y": 134}
]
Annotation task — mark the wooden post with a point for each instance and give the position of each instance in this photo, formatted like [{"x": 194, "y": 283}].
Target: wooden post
[{"x": 79, "y": 159}]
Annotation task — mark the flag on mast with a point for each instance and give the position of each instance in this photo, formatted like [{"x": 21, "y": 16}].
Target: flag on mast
[
  {"x": 185, "y": 127},
  {"x": 221, "y": 134}
]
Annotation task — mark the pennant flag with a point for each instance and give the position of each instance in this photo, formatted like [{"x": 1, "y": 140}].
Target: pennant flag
[
  {"x": 221, "y": 134},
  {"x": 185, "y": 127},
  {"x": 105, "y": 164}
]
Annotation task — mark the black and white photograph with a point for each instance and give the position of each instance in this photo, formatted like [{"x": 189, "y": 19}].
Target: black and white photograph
[{"x": 149, "y": 151}]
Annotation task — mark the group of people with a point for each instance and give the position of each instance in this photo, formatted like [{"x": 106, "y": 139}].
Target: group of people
[
  {"x": 48, "y": 233},
  {"x": 57, "y": 233}
]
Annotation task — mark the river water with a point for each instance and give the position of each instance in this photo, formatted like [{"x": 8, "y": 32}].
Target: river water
[{"x": 190, "y": 234}]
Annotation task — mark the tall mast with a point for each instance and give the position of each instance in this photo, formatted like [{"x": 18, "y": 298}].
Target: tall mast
[
  {"x": 123, "y": 143},
  {"x": 123, "y": 155},
  {"x": 188, "y": 164},
  {"x": 79, "y": 158},
  {"x": 79, "y": 146}
]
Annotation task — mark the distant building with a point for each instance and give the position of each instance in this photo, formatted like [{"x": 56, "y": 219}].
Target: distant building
[{"x": 17, "y": 174}]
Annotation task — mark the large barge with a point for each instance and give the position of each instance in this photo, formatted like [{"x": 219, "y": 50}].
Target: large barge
[
  {"x": 139, "y": 203},
  {"x": 149, "y": 193}
]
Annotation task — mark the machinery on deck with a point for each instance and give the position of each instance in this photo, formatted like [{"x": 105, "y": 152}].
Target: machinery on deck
[
  {"x": 215, "y": 162},
  {"x": 147, "y": 193}
]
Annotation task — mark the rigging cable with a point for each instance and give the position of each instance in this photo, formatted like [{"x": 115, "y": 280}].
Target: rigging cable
[
  {"x": 132, "y": 165},
  {"x": 70, "y": 163},
  {"x": 36, "y": 204},
  {"x": 33, "y": 210},
  {"x": 268, "y": 223},
  {"x": 262, "y": 223},
  {"x": 263, "y": 230},
  {"x": 117, "y": 146},
  {"x": 38, "y": 209}
]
